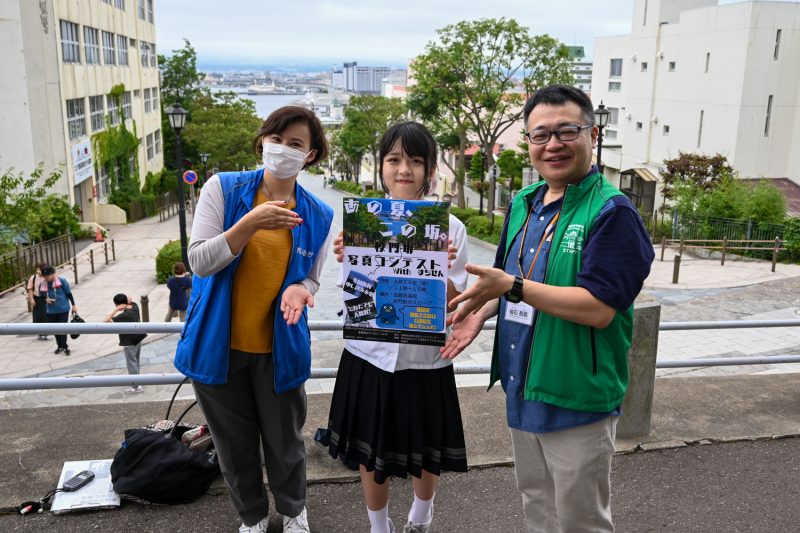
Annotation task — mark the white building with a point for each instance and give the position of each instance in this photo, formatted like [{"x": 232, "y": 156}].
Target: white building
[
  {"x": 581, "y": 68},
  {"x": 364, "y": 80},
  {"x": 60, "y": 59},
  {"x": 694, "y": 76}
]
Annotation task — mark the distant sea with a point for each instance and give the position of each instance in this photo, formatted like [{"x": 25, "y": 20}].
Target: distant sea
[{"x": 267, "y": 103}]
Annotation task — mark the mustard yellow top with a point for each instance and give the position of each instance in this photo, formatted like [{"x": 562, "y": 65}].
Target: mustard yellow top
[{"x": 256, "y": 284}]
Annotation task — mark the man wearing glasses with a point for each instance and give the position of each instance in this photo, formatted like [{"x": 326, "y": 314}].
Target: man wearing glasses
[{"x": 572, "y": 258}]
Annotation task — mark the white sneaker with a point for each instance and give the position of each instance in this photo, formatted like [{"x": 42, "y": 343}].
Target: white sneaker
[
  {"x": 298, "y": 524},
  {"x": 422, "y": 527},
  {"x": 261, "y": 527},
  {"x": 136, "y": 389}
]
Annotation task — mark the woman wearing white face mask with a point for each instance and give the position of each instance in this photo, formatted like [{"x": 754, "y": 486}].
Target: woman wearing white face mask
[{"x": 257, "y": 248}]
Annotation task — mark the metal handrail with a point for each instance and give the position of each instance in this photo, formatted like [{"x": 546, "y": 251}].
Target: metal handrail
[{"x": 322, "y": 373}]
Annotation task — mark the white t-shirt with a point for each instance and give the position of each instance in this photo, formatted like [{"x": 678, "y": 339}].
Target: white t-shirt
[{"x": 390, "y": 356}]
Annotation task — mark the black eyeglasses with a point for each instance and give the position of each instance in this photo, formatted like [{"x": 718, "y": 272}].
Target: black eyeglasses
[{"x": 565, "y": 133}]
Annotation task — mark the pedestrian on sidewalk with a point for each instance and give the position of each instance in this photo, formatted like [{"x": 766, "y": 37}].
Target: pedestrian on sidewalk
[
  {"x": 259, "y": 241},
  {"x": 180, "y": 288},
  {"x": 37, "y": 300},
  {"x": 58, "y": 298},
  {"x": 126, "y": 310},
  {"x": 395, "y": 408},
  {"x": 572, "y": 258}
]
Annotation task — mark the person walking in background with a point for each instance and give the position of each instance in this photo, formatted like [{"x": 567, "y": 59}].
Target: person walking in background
[
  {"x": 58, "y": 298},
  {"x": 180, "y": 288},
  {"x": 259, "y": 241},
  {"x": 37, "y": 300},
  {"x": 126, "y": 310},
  {"x": 395, "y": 408}
]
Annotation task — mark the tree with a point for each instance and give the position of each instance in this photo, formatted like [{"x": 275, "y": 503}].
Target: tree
[
  {"x": 700, "y": 172},
  {"x": 225, "y": 126},
  {"x": 511, "y": 164},
  {"x": 475, "y": 71},
  {"x": 366, "y": 119},
  {"x": 180, "y": 83},
  {"x": 28, "y": 209},
  {"x": 478, "y": 176}
]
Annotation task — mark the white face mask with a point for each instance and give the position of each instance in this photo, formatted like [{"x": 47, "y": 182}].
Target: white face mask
[{"x": 283, "y": 162}]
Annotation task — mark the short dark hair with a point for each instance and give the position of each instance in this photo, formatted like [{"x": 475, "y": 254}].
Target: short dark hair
[
  {"x": 416, "y": 140},
  {"x": 48, "y": 270},
  {"x": 120, "y": 299},
  {"x": 559, "y": 95},
  {"x": 281, "y": 118},
  {"x": 178, "y": 268}
]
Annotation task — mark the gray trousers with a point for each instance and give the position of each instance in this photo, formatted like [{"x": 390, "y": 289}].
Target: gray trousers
[
  {"x": 132, "y": 357},
  {"x": 244, "y": 410},
  {"x": 565, "y": 477}
]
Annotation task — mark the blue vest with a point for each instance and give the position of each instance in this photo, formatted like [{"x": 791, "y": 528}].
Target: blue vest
[{"x": 202, "y": 352}]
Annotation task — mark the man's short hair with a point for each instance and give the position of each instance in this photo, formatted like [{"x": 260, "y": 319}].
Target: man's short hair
[
  {"x": 120, "y": 299},
  {"x": 559, "y": 95}
]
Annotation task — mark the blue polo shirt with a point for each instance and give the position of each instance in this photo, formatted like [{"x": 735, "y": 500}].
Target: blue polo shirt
[{"x": 618, "y": 222}]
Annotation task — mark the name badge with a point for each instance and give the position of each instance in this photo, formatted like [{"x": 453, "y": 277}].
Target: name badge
[{"x": 521, "y": 313}]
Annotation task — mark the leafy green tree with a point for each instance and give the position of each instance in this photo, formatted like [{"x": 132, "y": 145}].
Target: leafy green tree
[
  {"x": 180, "y": 83},
  {"x": 362, "y": 227},
  {"x": 695, "y": 170},
  {"x": 511, "y": 164},
  {"x": 478, "y": 176},
  {"x": 28, "y": 209},
  {"x": 474, "y": 71},
  {"x": 366, "y": 119},
  {"x": 225, "y": 126}
]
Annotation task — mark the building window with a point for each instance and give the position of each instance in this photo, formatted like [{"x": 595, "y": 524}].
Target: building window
[
  {"x": 103, "y": 179},
  {"x": 769, "y": 112},
  {"x": 137, "y": 93},
  {"x": 644, "y": 66},
  {"x": 76, "y": 118},
  {"x": 149, "y": 146},
  {"x": 644, "y": 14},
  {"x": 641, "y": 192},
  {"x": 141, "y": 10},
  {"x": 122, "y": 49},
  {"x": 149, "y": 10},
  {"x": 70, "y": 42},
  {"x": 614, "y": 86},
  {"x": 616, "y": 68},
  {"x": 91, "y": 46},
  {"x": 665, "y": 130},
  {"x": 708, "y": 60},
  {"x": 153, "y": 58},
  {"x": 146, "y": 50},
  {"x": 157, "y": 139},
  {"x": 132, "y": 163},
  {"x": 610, "y": 135},
  {"x": 154, "y": 94},
  {"x": 777, "y": 44},
  {"x": 638, "y": 126},
  {"x": 97, "y": 112},
  {"x": 671, "y": 66},
  {"x": 147, "y": 106},
  {"x": 109, "y": 54},
  {"x": 113, "y": 110},
  {"x": 700, "y": 129},
  {"x": 120, "y": 4},
  {"x": 613, "y": 116},
  {"x": 126, "y": 105}
]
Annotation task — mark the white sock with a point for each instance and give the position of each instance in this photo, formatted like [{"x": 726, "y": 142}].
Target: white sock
[
  {"x": 421, "y": 511},
  {"x": 379, "y": 520}
]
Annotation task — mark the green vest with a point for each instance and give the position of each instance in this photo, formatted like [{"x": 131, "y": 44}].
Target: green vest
[{"x": 571, "y": 365}]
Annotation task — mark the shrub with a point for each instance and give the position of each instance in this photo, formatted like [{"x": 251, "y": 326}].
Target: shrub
[
  {"x": 463, "y": 213},
  {"x": 348, "y": 186},
  {"x": 315, "y": 170},
  {"x": 374, "y": 194},
  {"x": 168, "y": 255},
  {"x": 480, "y": 227}
]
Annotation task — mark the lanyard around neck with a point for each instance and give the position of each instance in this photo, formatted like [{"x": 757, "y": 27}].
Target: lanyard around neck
[{"x": 548, "y": 231}]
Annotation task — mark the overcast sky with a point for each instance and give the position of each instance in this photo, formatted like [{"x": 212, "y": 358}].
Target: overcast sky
[{"x": 372, "y": 32}]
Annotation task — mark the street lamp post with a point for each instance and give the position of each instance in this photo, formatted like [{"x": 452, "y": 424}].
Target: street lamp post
[
  {"x": 177, "y": 119},
  {"x": 204, "y": 159},
  {"x": 600, "y": 120}
]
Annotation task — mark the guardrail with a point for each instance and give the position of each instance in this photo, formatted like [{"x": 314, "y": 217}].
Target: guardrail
[{"x": 334, "y": 325}]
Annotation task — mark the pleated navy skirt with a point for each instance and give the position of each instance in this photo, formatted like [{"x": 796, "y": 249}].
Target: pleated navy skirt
[{"x": 396, "y": 424}]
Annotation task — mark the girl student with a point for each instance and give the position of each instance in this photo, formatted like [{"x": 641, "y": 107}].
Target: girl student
[{"x": 395, "y": 408}]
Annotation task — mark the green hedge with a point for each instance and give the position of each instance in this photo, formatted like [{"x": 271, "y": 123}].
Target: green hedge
[
  {"x": 348, "y": 186},
  {"x": 168, "y": 255}
]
